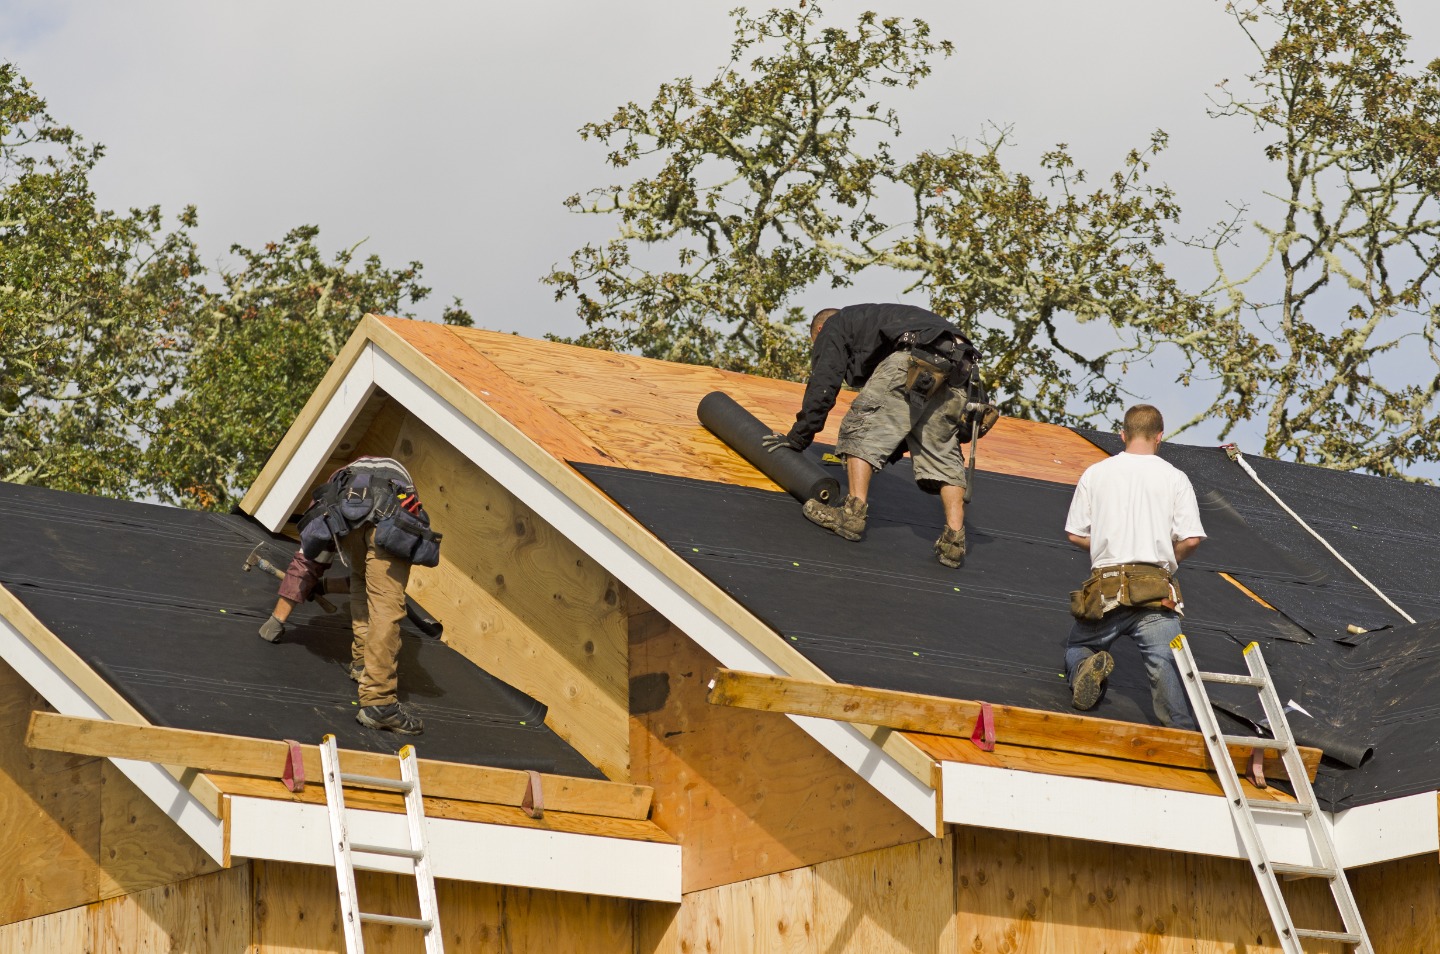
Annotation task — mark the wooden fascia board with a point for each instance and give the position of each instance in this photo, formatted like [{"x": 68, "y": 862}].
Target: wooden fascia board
[
  {"x": 280, "y": 458},
  {"x": 560, "y": 495},
  {"x": 936, "y": 715},
  {"x": 72, "y": 688},
  {"x": 299, "y": 832},
  {"x": 265, "y": 758},
  {"x": 1121, "y": 814}
]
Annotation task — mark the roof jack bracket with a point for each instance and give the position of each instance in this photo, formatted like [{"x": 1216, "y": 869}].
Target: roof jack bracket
[{"x": 984, "y": 734}]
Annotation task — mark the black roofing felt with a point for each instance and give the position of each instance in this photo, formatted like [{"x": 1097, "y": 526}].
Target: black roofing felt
[
  {"x": 884, "y": 613},
  {"x": 154, "y": 600}
]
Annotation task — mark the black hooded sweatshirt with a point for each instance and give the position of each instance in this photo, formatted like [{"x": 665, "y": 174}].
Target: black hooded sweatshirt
[{"x": 850, "y": 346}]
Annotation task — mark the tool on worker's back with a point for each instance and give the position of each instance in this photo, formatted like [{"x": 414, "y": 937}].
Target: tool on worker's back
[
  {"x": 255, "y": 560},
  {"x": 977, "y": 407}
]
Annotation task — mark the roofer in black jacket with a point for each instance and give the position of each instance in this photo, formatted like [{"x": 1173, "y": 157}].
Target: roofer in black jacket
[{"x": 915, "y": 371}]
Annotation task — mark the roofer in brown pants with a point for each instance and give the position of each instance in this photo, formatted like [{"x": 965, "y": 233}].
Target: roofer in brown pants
[
  {"x": 370, "y": 513},
  {"x": 914, "y": 369}
]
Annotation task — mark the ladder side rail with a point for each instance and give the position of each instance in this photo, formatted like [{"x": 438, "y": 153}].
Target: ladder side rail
[
  {"x": 1322, "y": 838},
  {"x": 424, "y": 874},
  {"x": 1236, "y": 801},
  {"x": 340, "y": 843}
]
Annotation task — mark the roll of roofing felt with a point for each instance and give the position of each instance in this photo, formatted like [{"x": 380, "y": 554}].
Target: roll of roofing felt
[{"x": 742, "y": 431}]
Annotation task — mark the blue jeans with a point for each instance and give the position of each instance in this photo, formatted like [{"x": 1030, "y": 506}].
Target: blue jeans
[{"x": 1152, "y": 631}]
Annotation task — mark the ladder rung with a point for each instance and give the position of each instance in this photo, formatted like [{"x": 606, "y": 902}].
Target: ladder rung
[
  {"x": 1341, "y": 936},
  {"x": 1304, "y": 871},
  {"x": 1265, "y": 805},
  {"x": 372, "y": 781},
  {"x": 423, "y": 924},
  {"x": 389, "y": 850},
  {"x": 1252, "y": 742},
  {"x": 1231, "y": 679},
  {"x": 362, "y": 866}
]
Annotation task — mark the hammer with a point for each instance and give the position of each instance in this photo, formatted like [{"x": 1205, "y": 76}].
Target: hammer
[{"x": 256, "y": 560}]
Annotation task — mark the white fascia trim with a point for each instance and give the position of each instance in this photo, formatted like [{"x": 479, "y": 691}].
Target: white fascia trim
[
  {"x": 273, "y": 830},
  {"x": 158, "y": 785},
  {"x": 319, "y": 442},
  {"x": 731, "y": 649},
  {"x": 1113, "y": 812}
]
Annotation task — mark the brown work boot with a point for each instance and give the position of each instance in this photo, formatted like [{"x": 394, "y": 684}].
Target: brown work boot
[
  {"x": 950, "y": 548},
  {"x": 847, "y": 520},
  {"x": 1090, "y": 678}
]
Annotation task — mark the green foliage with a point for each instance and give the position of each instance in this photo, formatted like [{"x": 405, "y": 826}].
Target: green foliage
[
  {"x": 753, "y": 168},
  {"x": 766, "y": 187},
  {"x": 259, "y": 345},
  {"x": 1320, "y": 336},
  {"x": 1017, "y": 263},
  {"x": 90, "y": 304},
  {"x": 122, "y": 372}
]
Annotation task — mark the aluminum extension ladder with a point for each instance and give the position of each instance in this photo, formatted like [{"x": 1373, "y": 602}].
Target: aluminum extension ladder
[
  {"x": 1242, "y": 809},
  {"x": 351, "y": 917}
]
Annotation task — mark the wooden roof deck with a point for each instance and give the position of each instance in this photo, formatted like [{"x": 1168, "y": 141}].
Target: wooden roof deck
[{"x": 598, "y": 407}]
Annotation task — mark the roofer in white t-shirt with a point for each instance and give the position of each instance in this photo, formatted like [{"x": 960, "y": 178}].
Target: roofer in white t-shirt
[{"x": 1137, "y": 516}]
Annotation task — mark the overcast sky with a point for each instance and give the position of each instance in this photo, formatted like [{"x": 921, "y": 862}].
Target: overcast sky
[{"x": 445, "y": 131}]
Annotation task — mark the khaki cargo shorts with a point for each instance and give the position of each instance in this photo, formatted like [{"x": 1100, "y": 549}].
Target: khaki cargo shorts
[{"x": 884, "y": 415}]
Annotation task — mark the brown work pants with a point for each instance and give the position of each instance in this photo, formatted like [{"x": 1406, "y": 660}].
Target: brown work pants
[{"x": 377, "y": 605}]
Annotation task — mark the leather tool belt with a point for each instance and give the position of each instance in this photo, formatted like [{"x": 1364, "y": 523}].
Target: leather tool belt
[{"x": 1127, "y": 584}]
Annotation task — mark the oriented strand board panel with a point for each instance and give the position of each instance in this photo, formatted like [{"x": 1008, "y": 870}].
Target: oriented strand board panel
[
  {"x": 521, "y": 601},
  {"x": 600, "y": 407},
  {"x": 745, "y": 793},
  {"x": 297, "y": 912}
]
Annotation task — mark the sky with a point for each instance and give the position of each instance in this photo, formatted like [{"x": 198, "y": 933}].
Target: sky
[{"x": 445, "y": 132}]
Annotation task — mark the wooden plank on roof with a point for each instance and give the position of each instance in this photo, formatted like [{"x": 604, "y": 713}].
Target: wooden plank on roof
[
  {"x": 240, "y": 755},
  {"x": 1077, "y": 765},
  {"x": 491, "y": 813},
  {"x": 912, "y": 712}
]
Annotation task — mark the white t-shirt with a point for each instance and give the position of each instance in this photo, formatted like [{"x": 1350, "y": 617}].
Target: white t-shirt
[{"x": 1133, "y": 507}]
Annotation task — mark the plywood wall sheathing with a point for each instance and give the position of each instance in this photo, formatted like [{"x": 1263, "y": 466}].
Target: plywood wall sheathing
[
  {"x": 211, "y": 914},
  {"x": 521, "y": 601},
  {"x": 75, "y": 830},
  {"x": 297, "y": 913},
  {"x": 745, "y": 793}
]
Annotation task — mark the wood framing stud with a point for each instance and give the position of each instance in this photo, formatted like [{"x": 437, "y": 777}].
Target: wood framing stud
[{"x": 935, "y": 715}]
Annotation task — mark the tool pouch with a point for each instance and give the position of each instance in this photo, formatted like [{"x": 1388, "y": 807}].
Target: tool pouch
[
  {"x": 927, "y": 374},
  {"x": 1130, "y": 584},
  {"x": 409, "y": 537}
]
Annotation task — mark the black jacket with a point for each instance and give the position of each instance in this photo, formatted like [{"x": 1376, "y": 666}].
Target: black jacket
[{"x": 851, "y": 345}]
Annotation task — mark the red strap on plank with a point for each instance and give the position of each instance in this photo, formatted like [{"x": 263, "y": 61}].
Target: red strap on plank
[
  {"x": 984, "y": 734},
  {"x": 294, "y": 776},
  {"x": 534, "y": 800},
  {"x": 1257, "y": 767}
]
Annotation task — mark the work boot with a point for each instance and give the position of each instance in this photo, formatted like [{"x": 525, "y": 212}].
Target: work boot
[
  {"x": 356, "y": 670},
  {"x": 950, "y": 548},
  {"x": 391, "y": 717},
  {"x": 272, "y": 630},
  {"x": 1089, "y": 683},
  {"x": 847, "y": 520}
]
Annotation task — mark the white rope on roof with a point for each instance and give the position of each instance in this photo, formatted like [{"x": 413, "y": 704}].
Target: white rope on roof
[{"x": 1235, "y": 455}]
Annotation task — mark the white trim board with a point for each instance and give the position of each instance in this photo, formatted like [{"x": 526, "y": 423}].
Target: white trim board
[
  {"x": 1113, "y": 812},
  {"x": 158, "y": 785},
  {"x": 667, "y": 597},
  {"x": 464, "y": 850}
]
